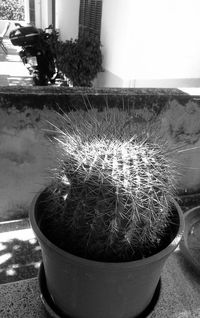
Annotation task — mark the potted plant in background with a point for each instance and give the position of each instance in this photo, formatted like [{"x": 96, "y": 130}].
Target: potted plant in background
[
  {"x": 108, "y": 221},
  {"x": 80, "y": 60}
]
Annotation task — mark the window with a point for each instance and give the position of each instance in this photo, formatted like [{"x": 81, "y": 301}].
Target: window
[{"x": 90, "y": 17}]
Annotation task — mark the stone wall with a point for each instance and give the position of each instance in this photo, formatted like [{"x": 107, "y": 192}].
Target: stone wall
[{"x": 74, "y": 98}]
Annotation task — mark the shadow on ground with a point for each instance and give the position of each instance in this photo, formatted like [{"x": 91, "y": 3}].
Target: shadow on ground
[{"x": 19, "y": 260}]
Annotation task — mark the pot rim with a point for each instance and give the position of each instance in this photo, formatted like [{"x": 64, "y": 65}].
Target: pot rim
[{"x": 106, "y": 265}]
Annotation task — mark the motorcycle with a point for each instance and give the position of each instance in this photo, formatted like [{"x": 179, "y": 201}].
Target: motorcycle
[{"x": 36, "y": 53}]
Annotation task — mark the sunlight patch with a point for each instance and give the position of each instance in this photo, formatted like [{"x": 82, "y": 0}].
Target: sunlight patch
[
  {"x": 10, "y": 272},
  {"x": 23, "y": 235},
  {"x": 5, "y": 257}
]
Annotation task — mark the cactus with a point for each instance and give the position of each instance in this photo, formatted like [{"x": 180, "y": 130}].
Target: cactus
[{"x": 113, "y": 190}]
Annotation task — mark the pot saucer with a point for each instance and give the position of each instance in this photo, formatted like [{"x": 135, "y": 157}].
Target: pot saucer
[
  {"x": 54, "y": 312},
  {"x": 190, "y": 243}
]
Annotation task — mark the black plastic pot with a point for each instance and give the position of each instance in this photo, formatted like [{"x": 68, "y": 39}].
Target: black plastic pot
[{"x": 84, "y": 288}]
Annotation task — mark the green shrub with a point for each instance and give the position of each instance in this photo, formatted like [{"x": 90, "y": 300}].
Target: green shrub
[
  {"x": 80, "y": 60},
  {"x": 114, "y": 189},
  {"x": 12, "y": 10}
]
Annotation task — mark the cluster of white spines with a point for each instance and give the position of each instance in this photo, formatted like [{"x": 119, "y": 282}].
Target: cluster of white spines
[{"x": 130, "y": 180}]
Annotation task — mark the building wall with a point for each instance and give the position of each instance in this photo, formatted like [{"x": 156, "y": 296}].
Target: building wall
[
  {"x": 113, "y": 36},
  {"x": 46, "y": 7},
  {"x": 38, "y": 14},
  {"x": 151, "y": 40},
  {"x": 67, "y": 18},
  {"x": 43, "y": 13}
]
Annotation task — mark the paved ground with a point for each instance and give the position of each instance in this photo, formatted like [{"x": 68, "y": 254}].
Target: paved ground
[
  {"x": 20, "y": 254},
  {"x": 12, "y": 70}
]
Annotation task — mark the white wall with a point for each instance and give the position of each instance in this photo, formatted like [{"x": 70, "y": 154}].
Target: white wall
[
  {"x": 46, "y": 8},
  {"x": 38, "y": 14},
  {"x": 154, "y": 39},
  {"x": 113, "y": 36},
  {"x": 26, "y": 11},
  {"x": 67, "y": 17},
  {"x": 43, "y": 13}
]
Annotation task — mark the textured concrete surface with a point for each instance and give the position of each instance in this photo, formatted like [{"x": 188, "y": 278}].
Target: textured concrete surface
[
  {"x": 179, "y": 298},
  {"x": 21, "y": 299},
  {"x": 180, "y": 292}
]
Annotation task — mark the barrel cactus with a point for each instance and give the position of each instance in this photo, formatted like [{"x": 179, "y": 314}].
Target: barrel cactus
[{"x": 113, "y": 190}]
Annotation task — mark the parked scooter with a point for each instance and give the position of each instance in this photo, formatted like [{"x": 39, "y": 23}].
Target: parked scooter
[{"x": 36, "y": 53}]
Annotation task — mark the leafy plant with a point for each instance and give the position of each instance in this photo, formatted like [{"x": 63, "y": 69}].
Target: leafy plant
[
  {"x": 80, "y": 60},
  {"x": 51, "y": 38},
  {"x": 114, "y": 189},
  {"x": 12, "y": 10}
]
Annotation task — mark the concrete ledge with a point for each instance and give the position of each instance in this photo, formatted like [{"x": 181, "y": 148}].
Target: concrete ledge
[
  {"x": 54, "y": 97},
  {"x": 180, "y": 294},
  {"x": 63, "y": 90}
]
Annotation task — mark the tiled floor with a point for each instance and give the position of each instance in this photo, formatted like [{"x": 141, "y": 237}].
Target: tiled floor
[
  {"x": 20, "y": 254},
  {"x": 12, "y": 70}
]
